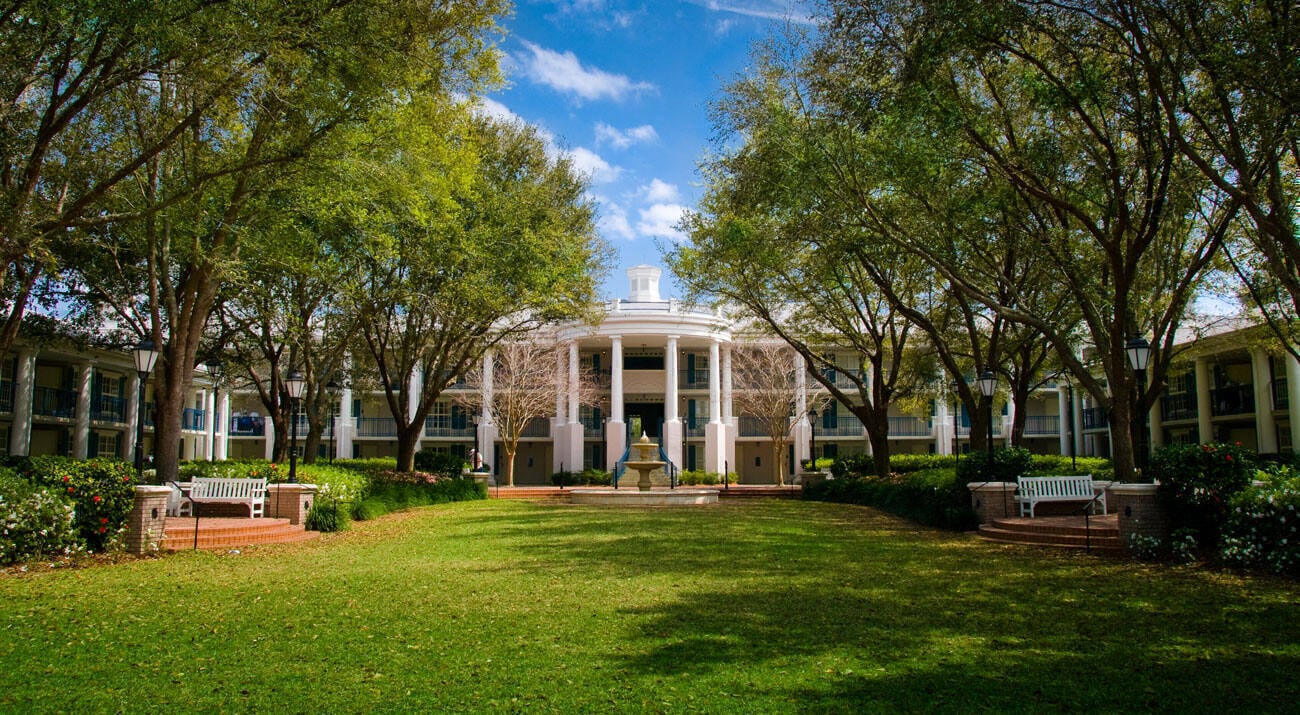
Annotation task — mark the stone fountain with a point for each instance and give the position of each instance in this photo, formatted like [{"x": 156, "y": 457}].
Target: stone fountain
[
  {"x": 643, "y": 459},
  {"x": 644, "y": 462}
]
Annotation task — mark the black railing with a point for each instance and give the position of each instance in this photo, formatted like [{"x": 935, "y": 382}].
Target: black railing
[
  {"x": 1281, "y": 397},
  {"x": 909, "y": 427},
  {"x": 247, "y": 426},
  {"x": 108, "y": 408},
  {"x": 54, "y": 402},
  {"x": 1095, "y": 418},
  {"x": 1042, "y": 425},
  {"x": 699, "y": 377},
  {"x": 1178, "y": 406},
  {"x": 1232, "y": 400},
  {"x": 193, "y": 419},
  {"x": 6, "y": 396}
]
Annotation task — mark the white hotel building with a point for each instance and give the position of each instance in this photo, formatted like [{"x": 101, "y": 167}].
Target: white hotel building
[{"x": 661, "y": 364}]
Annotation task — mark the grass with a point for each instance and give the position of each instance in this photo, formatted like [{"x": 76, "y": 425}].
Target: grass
[{"x": 772, "y": 606}]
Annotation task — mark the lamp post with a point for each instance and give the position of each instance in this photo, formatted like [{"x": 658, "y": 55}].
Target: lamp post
[
  {"x": 988, "y": 385},
  {"x": 332, "y": 388},
  {"x": 474, "y": 456},
  {"x": 294, "y": 384},
  {"x": 1139, "y": 355},
  {"x": 145, "y": 358},
  {"x": 214, "y": 373},
  {"x": 812, "y": 439}
]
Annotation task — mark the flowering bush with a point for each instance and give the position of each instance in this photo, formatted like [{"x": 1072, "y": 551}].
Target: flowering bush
[
  {"x": 37, "y": 521},
  {"x": 1261, "y": 528},
  {"x": 1198, "y": 480},
  {"x": 102, "y": 492}
]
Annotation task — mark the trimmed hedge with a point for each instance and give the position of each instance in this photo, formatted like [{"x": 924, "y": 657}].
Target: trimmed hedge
[
  {"x": 102, "y": 492},
  {"x": 405, "y": 490},
  {"x": 38, "y": 522},
  {"x": 934, "y": 497}
]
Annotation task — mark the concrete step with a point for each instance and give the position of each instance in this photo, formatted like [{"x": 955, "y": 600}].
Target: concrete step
[{"x": 1099, "y": 541}]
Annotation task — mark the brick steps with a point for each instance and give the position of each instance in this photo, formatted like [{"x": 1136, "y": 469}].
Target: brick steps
[
  {"x": 222, "y": 533},
  {"x": 1063, "y": 532}
]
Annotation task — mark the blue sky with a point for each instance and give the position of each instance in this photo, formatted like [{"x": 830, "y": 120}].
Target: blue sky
[{"x": 624, "y": 88}]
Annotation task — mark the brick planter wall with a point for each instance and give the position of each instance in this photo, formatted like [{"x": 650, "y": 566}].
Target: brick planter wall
[
  {"x": 289, "y": 501},
  {"x": 147, "y": 520},
  {"x": 993, "y": 500},
  {"x": 1139, "y": 509}
]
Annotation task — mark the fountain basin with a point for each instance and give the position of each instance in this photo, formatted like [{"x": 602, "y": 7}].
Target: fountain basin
[{"x": 634, "y": 497}]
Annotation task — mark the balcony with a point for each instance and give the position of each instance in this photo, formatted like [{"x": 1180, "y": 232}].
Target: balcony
[
  {"x": 193, "y": 419},
  {"x": 1281, "y": 400},
  {"x": 847, "y": 426},
  {"x": 537, "y": 428},
  {"x": 1042, "y": 425},
  {"x": 843, "y": 379},
  {"x": 54, "y": 402},
  {"x": 444, "y": 426},
  {"x": 6, "y": 396},
  {"x": 376, "y": 427},
  {"x": 749, "y": 426},
  {"x": 697, "y": 379},
  {"x": 108, "y": 409},
  {"x": 963, "y": 428},
  {"x": 247, "y": 426},
  {"x": 1095, "y": 418},
  {"x": 909, "y": 427},
  {"x": 1178, "y": 406},
  {"x": 1232, "y": 400}
]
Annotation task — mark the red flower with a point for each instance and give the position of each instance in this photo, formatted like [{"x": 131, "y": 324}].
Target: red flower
[
  {"x": 1228, "y": 457},
  {"x": 71, "y": 490},
  {"x": 65, "y": 479},
  {"x": 102, "y": 530},
  {"x": 103, "y": 520},
  {"x": 97, "y": 499}
]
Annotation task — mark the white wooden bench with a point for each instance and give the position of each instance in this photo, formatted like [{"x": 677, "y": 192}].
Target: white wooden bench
[
  {"x": 223, "y": 490},
  {"x": 1034, "y": 490}
]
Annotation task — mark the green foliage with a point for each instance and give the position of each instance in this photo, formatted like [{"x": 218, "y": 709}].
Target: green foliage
[
  {"x": 1262, "y": 528},
  {"x": 327, "y": 515},
  {"x": 904, "y": 463},
  {"x": 699, "y": 477},
  {"x": 398, "y": 491},
  {"x": 37, "y": 521},
  {"x": 591, "y": 477},
  {"x": 443, "y": 464},
  {"x": 1197, "y": 482},
  {"x": 853, "y": 465},
  {"x": 934, "y": 497},
  {"x": 1046, "y": 465},
  {"x": 335, "y": 481},
  {"x": 1008, "y": 465},
  {"x": 102, "y": 492}
]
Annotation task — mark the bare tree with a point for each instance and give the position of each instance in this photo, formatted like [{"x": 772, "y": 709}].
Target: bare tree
[
  {"x": 523, "y": 386},
  {"x": 766, "y": 387}
]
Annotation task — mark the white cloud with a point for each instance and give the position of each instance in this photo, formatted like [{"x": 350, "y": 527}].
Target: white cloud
[
  {"x": 624, "y": 138},
  {"x": 563, "y": 72},
  {"x": 660, "y": 221},
  {"x": 762, "y": 9},
  {"x": 496, "y": 110},
  {"x": 613, "y": 221},
  {"x": 588, "y": 162},
  {"x": 660, "y": 192}
]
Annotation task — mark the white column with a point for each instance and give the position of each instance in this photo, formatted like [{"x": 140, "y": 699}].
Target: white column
[
  {"x": 1063, "y": 418},
  {"x": 132, "y": 415},
  {"x": 487, "y": 429},
  {"x": 268, "y": 440},
  {"x": 210, "y": 412},
  {"x": 1008, "y": 421},
  {"x": 1203, "y": 407},
  {"x": 1265, "y": 425},
  {"x": 1293, "y": 399},
  {"x": 942, "y": 427},
  {"x": 344, "y": 428},
  {"x": 728, "y": 417},
  {"x": 81, "y": 431},
  {"x": 20, "y": 432},
  {"x": 1077, "y": 409},
  {"x": 671, "y": 439},
  {"x": 416, "y": 386},
  {"x": 575, "y": 436},
  {"x": 616, "y": 428},
  {"x": 221, "y": 447},
  {"x": 715, "y": 448},
  {"x": 560, "y": 427}
]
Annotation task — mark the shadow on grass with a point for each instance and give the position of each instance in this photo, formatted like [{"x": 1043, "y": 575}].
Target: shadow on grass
[{"x": 866, "y": 611}]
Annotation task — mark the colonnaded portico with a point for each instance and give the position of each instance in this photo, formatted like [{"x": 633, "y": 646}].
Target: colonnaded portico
[{"x": 666, "y": 365}]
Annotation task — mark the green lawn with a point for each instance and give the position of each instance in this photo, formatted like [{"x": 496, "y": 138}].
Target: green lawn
[{"x": 772, "y": 606}]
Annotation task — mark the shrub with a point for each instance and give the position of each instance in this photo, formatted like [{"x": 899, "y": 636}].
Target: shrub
[
  {"x": 1043, "y": 465},
  {"x": 1260, "y": 530},
  {"x": 1197, "y": 482},
  {"x": 38, "y": 521},
  {"x": 102, "y": 492},
  {"x": 327, "y": 515},
  {"x": 396, "y": 491},
  {"x": 590, "y": 476},
  {"x": 853, "y": 465},
  {"x": 440, "y": 463},
  {"x": 335, "y": 482},
  {"x": 697, "y": 477},
  {"x": 1009, "y": 463},
  {"x": 904, "y": 463},
  {"x": 935, "y": 497},
  {"x": 566, "y": 479}
]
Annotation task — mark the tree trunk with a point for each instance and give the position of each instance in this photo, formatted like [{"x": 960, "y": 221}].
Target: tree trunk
[
  {"x": 876, "y": 423},
  {"x": 509, "y": 448},
  {"x": 406, "y": 441},
  {"x": 778, "y": 463}
]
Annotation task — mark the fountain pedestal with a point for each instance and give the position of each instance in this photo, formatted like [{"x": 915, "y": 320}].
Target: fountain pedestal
[{"x": 644, "y": 462}]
